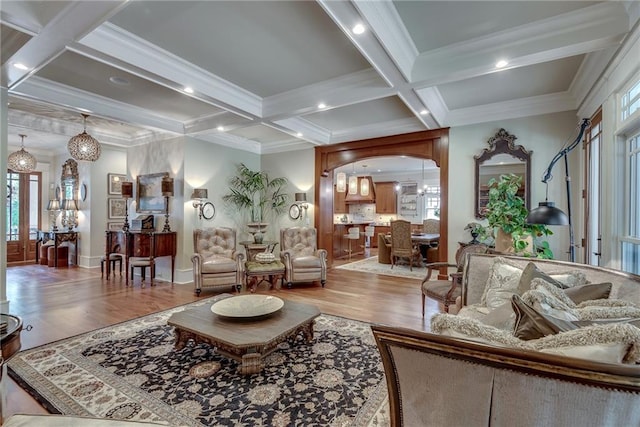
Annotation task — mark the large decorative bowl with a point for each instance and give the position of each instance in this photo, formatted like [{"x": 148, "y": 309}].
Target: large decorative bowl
[{"x": 243, "y": 306}]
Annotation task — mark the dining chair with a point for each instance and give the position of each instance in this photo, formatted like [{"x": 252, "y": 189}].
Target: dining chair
[{"x": 401, "y": 244}]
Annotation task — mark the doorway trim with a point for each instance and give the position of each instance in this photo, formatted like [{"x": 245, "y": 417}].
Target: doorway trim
[{"x": 430, "y": 145}]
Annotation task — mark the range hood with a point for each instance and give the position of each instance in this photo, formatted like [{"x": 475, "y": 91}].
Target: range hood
[{"x": 358, "y": 197}]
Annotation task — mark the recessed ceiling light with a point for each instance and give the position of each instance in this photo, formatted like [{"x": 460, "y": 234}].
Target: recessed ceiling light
[
  {"x": 20, "y": 66},
  {"x": 299, "y": 134},
  {"x": 502, "y": 63},
  {"x": 379, "y": 170},
  {"x": 188, "y": 89},
  {"x": 322, "y": 105},
  {"x": 121, "y": 81},
  {"x": 220, "y": 128},
  {"x": 424, "y": 112},
  {"x": 358, "y": 29}
]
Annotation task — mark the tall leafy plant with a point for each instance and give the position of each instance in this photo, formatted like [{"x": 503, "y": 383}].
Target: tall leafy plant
[
  {"x": 506, "y": 210},
  {"x": 256, "y": 193}
]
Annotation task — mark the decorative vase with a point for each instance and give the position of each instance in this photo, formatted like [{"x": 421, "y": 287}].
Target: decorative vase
[
  {"x": 504, "y": 242},
  {"x": 474, "y": 236},
  {"x": 258, "y": 237}
]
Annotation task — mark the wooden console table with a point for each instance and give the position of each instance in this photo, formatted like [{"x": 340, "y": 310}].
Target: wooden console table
[
  {"x": 154, "y": 244},
  {"x": 57, "y": 237}
]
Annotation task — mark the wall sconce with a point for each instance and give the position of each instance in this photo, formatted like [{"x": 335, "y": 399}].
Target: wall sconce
[
  {"x": 54, "y": 208},
  {"x": 167, "y": 191},
  {"x": 126, "y": 190},
  {"x": 295, "y": 210},
  {"x": 199, "y": 196},
  {"x": 69, "y": 213}
]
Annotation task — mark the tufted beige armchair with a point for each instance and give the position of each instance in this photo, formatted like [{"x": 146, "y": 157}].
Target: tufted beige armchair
[
  {"x": 215, "y": 261},
  {"x": 299, "y": 252}
]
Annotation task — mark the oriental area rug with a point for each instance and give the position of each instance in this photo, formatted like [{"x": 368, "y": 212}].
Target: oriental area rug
[
  {"x": 132, "y": 371},
  {"x": 371, "y": 265}
]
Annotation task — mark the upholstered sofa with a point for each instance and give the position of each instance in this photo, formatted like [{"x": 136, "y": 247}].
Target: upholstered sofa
[{"x": 459, "y": 378}]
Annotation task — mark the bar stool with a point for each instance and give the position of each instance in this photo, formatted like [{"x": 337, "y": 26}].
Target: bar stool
[
  {"x": 44, "y": 254},
  {"x": 354, "y": 234},
  {"x": 369, "y": 232}
]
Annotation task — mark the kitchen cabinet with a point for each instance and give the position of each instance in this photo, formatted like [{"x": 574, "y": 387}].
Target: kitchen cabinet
[
  {"x": 409, "y": 199},
  {"x": 386, "y": 198},
  {"x": 339, "y": 205}
]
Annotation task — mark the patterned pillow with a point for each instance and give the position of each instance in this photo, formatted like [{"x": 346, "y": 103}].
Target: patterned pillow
[
  {"x": 562, "y": 280},
  {"x": 502, "y": 282},
  {"x": 609, "y": 343}
]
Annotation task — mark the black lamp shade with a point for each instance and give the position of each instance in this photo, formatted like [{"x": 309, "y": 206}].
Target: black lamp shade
[{"x": 547, "y": 213}]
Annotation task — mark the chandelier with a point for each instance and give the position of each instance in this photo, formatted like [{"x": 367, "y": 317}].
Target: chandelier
[
  {"x": 83, "y": 146},
  {"x": 22, "y": 161}
]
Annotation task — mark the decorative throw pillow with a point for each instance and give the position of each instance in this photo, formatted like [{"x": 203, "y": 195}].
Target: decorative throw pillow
[
  {"x": 592, "y": 291},
  {"x": 530, "y": 272},
  {"x": 502, "y": 282},
  {"x": 502, "y": 317},
  {"x": 531, "y": 324},
  {"x": 549, "y": 300}
]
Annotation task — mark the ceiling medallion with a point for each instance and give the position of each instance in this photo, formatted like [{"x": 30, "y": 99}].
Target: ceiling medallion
[
  {"x": 22, "y": 161},
  {"x": 83, "y": 146}
]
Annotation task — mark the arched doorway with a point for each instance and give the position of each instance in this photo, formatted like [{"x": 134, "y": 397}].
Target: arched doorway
[{"x": 431, "y": 144}]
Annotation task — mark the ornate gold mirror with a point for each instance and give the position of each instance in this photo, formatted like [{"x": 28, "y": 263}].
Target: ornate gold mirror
[
  {"x": 502, "y": 157},
  {"x": 69, "y": 204},
  {"x": 69, "y": 180}
]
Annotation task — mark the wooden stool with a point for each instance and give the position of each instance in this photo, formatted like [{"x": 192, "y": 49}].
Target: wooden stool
[{"x": 63, "y": 256}]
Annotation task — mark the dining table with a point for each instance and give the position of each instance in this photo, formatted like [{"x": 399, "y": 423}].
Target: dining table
[{"x": 425, "y": 238}]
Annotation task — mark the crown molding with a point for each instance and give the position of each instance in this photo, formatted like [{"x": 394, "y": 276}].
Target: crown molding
[
  {"x": 524, "y": 107},
  {"x": 59, "y": 94},
  {"x": 231, "y": 141}
]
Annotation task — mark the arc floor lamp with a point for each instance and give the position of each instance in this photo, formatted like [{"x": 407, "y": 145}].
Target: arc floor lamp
[{"x": 546, "y": 212}]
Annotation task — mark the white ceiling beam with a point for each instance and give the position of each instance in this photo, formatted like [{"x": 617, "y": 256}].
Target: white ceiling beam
[
  {"x": 310, "y": 131},
  {"x": 127, "y": 47},
  {"x": 437, "y": 108},
  {"x": 385, "y": 22},
  {"x": 342, "y": 91},
  {"x": 73, "y": 22},
  {"x": 523, "y": 107},
  {"x": 76, "y": 99},
  {"x": 392, "y": 127},
  {"x": 587, "y": 30}
]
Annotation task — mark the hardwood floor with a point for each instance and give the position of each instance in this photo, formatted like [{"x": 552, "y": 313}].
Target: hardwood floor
[{"x": 62, "y": 302}]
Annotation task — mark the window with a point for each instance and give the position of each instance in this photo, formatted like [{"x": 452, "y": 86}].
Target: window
[
  {"x": 631, "y": 239},
  {"x": 432, "y": 201},
  {"x": 630, "y": 101}
]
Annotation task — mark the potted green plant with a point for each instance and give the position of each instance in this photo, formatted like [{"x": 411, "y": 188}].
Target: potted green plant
[
  {"x": 260, "y": 197},
  {"x": 507, "y": 215}
]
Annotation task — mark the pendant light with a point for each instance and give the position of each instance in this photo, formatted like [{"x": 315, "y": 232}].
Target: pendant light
[
  {"x": 364, "y": 184},
  {"x": 353, "y": 181},
  {"x": 22, "y": 161},
  {"x": 341, "y": 182},
  {"x": 83, "y": 146}
]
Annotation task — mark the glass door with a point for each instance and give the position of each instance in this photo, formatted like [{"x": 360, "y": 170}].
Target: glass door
[
  {"x": 23, "y": 215},
  {"x": 593, "y": 237}
]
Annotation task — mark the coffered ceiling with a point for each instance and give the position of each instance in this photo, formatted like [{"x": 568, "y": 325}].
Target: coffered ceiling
[{"x": 259, "y": 70}]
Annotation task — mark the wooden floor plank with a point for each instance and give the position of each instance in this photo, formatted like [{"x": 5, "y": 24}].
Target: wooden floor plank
[{"x": 62, "y": 302}]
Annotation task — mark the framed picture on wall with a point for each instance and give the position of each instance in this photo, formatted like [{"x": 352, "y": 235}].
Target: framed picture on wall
[
  {"x": 149, "y": 195},
  {"x": 114, "y": 182},
  {"x": 114, "y": 226},
  {"x": 117, "y": 208}
]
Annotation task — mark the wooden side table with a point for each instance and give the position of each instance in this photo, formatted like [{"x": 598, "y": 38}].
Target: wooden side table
[
  {"x": 257, "y": 272},
  {"x": 10, "y": 337}
]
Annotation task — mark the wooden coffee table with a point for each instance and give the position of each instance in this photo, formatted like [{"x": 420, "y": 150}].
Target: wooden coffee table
[{"x": 247, "y": 341}]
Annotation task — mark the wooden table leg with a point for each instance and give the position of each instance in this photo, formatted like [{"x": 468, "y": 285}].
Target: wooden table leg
[{"x": 252, "y": 363}]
